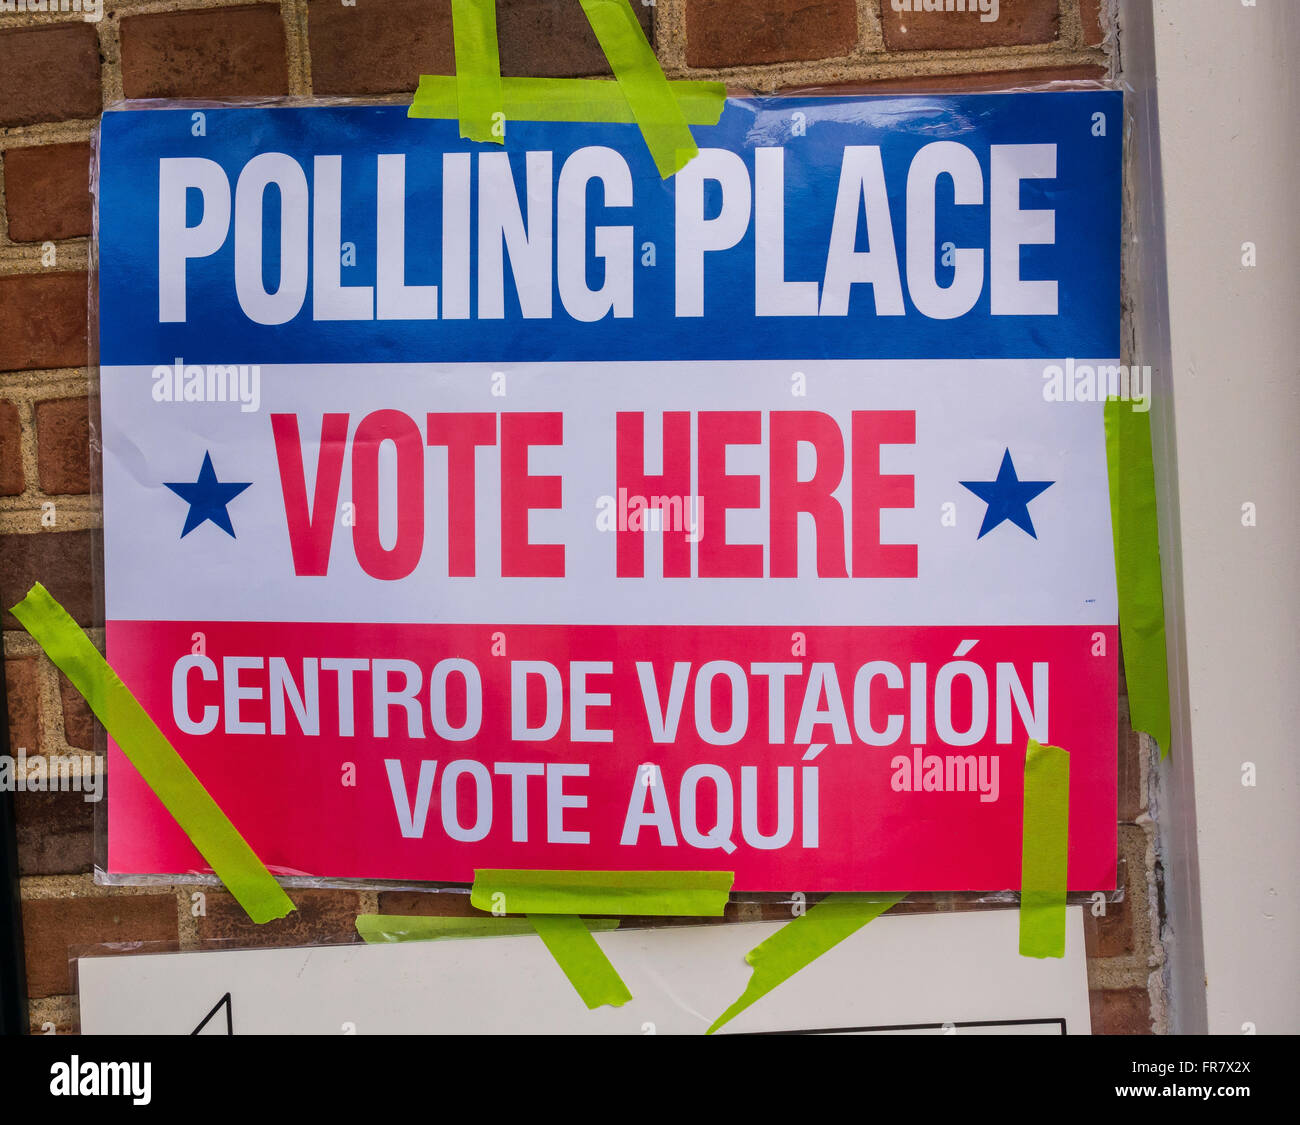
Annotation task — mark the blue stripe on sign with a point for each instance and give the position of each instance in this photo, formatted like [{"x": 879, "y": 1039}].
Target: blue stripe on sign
[{"x": 819, "y": 137}]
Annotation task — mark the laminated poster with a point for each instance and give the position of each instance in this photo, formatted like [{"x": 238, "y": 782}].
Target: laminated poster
[{"x": 471, "y": 506}]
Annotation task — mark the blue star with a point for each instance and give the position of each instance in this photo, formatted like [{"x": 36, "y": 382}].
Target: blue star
[
  {"x": 207, "y": 498},
  {"x": 1007, "y": 497}
]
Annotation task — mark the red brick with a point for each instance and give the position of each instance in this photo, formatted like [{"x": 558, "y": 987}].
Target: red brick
[
  {"x": 42, "y": 321},
  {"x": 48, "y": 73},
  {"x": 446, "y": 904},
  {"x": 221, "y": 52},
  {"x": 12, "y": 481},
  {"x": 384, "y": 48},
  {"x": 454, "y": 904},
  {"x": 47, "y": 192},
  {"x": 322, "y": 918},
  {"x": 79, "y": 722},
  {"x": 378, "y": 48},
  {"x": 735, "y": 912},
  {"x": 740, "y": 32},
  {"x": 56, "y": 928},
  {"x": 1131, "y": 801},
  {"x": 1112, "y": 934},
  {"x": 60, "y": 560},
  {"x": 56, "y": 833},
  {"x": 545, "y": 39},
  {"x": 985, "y": 80},
  {"x": 1019, "y": 21},
  {"x": 1123, "y": 1011},
  {"x": 1090, "y": 17},
  {"x": 63, "y": 445},
  {"x": 23, "y": 687}
]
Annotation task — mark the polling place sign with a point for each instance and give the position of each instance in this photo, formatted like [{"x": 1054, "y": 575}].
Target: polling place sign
[{"x": 471, "y": 506}]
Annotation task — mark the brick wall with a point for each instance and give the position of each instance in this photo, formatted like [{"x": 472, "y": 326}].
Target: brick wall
[{"x": 57, "y": 72}]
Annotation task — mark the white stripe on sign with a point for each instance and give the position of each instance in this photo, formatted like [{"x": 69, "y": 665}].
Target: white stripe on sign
[{"x": 836, "y": 552}]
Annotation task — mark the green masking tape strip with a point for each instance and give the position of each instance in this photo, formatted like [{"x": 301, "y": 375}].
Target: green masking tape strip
[
  {"x": 1044, "y": 851},
  {"x": 381, "y": 928},
  {"x": 569, "y": 99},
  {"x": 148, "y": 750},
  {"x": 1137, "y": 568},
  {"x": 798, "y": 944},
  {"x": 583, "y": 961},
  {"x": 478, "y": 69},
  {"x": 638, "y": 71},
  {"x": 676, "y": 893}
]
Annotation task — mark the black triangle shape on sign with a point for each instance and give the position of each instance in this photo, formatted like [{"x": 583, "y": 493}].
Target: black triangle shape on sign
[{"x": 230, "y": 1021}]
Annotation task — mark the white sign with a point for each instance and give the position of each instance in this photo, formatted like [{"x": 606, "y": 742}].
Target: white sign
[{"x": 935, "y": 973}]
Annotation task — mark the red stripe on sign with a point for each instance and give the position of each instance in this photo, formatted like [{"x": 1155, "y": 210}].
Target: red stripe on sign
[{"x": 825, "y": 758}]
